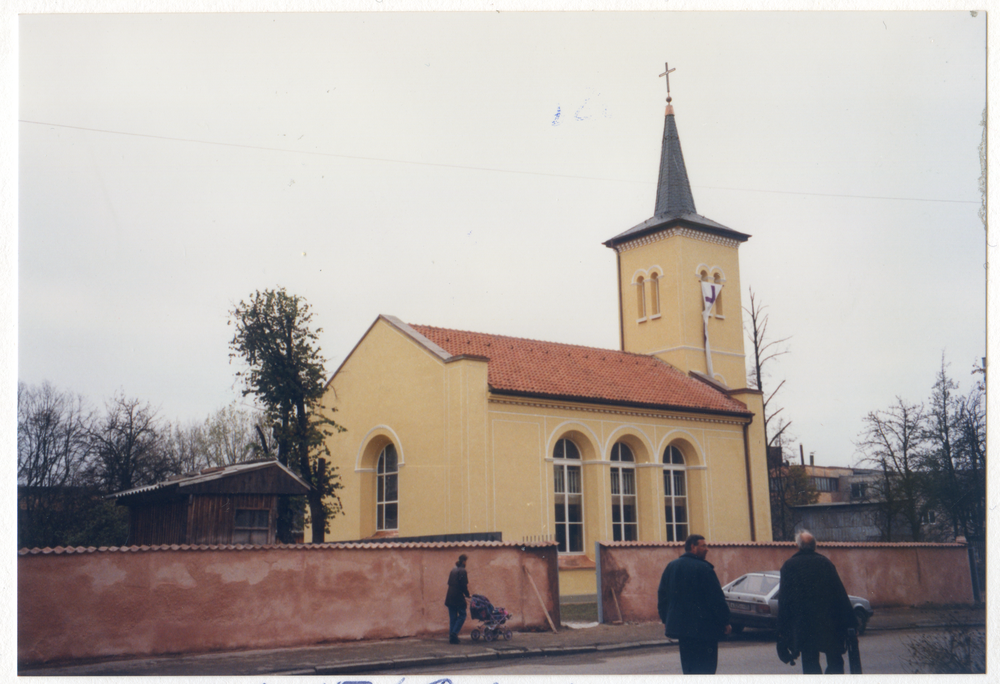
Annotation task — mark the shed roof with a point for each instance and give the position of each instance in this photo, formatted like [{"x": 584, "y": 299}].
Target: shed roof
[
  {"x": 289, "y": 480},
  {"x": 566, "y": 371}
]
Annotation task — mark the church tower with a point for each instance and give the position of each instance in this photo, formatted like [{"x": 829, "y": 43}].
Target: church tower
[{"x": 679, "y": 278}]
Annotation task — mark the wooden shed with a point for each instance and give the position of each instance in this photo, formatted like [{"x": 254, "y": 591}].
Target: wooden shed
[{"x": 236, "y": 504}]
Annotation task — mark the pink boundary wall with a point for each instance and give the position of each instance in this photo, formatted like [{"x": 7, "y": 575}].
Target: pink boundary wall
[
  {"x": 85, "y": 603},
  {"x": 885, "y": 574}
]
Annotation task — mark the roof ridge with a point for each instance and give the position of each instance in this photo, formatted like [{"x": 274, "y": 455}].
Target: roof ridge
[{"x": 530, "y": 339}]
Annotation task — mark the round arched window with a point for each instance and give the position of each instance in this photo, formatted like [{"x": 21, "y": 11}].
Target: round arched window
[
  {"x": 624, "y": 523},
  {"x": 568, "y": 497},
  {"x": 675, "y": 494},
  {"x": 387, "y": 490}
]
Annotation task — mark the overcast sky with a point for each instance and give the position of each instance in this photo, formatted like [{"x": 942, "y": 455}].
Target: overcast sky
[{"x": 462, "y": 171}]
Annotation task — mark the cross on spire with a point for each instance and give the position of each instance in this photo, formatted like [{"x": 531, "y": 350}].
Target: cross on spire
[{"x": 667, "y": 70}]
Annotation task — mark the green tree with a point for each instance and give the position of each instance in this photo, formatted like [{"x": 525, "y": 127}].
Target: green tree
[{"x": 284, "y": 371}]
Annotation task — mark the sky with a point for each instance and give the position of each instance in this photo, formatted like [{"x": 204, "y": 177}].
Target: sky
[{"x": 462, "y": 170}]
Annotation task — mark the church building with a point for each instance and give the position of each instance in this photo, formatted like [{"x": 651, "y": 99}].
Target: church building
[{"x": 456, "y": 432}]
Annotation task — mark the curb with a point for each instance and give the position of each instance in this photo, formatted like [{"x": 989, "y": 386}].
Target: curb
[
  {"x": 512, "y": 653},
  {"x": 359, "y": 666}
]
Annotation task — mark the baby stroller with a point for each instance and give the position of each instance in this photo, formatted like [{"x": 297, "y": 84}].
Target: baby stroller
[{"x": 491, "y": 618}]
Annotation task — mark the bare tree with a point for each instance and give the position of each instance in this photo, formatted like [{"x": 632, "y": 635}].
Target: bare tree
[
  {"x": 51, "y": 436},
  {"x": 228, "y": 436},
  {"x": 942, "y": 460},
  {"x": 776, "y": 433},
  {"x": 52, "y": 447},
  {"x": 127, "y": 446},
  {"x": 956, "y": 457},
  {"x": 892, "y": 441},
  {"x": 186, "y": 446},
  {"x": 232, "y": 437},
  {"x": 764, "y": 352},
  {"x": 972, "y": 447}
]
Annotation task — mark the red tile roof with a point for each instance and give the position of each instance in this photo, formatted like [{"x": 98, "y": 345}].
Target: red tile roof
[{"x": 531, "y": 367}]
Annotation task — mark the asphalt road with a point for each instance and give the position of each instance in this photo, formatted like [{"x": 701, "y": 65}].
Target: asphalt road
[{"x": 752, "y": 653}]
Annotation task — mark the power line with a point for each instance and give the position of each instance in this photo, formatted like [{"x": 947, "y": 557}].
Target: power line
[
  {"x": 476, "y": 168},
  {"x": 828, "y": 194},
  {"x": 324, "y": 154}
]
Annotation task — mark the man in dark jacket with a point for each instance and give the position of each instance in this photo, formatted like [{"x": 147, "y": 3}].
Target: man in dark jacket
[
  {"x": 458, "y": 590},
  {"x": 814, "y": 612},
  {"x": 693, "y": 608}
]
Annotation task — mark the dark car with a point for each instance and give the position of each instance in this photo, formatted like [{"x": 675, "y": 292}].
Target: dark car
[{"x": 753, "y": 602}]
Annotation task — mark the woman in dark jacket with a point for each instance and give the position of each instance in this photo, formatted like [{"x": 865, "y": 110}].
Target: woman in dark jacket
[{"x": 458, "y": 590}]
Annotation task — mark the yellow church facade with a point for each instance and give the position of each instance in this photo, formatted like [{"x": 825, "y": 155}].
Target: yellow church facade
[{"x": 454, "y": 432}]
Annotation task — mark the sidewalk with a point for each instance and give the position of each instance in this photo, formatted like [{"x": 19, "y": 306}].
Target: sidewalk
[{"x": 403, "y": 654}]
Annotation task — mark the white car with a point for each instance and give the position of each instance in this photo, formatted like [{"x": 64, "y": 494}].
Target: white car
[{"x": 753, "y": 602}]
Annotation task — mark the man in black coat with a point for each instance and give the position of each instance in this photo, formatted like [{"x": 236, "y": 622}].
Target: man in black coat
[
  {"x": 693, "y": 608},
  {"x": 814, "y": 612},
  {"x": 458, "y": 590}
]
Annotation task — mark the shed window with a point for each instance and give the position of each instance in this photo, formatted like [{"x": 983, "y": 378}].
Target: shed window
[{"x": 251, "y": 526}]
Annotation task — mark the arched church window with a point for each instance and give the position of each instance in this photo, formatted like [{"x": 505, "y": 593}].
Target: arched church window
[
  {"x": 654, "y": 294},
  {"x": 675, "y": 494},
  {"x": 640, "y": 298},
  {"x": 568, "y": 497},
  {"x": 387, "y": 490},
  {"x": 624, "y": 522}
]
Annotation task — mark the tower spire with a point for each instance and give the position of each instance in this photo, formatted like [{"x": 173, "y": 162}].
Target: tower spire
[
  {"x": 673, "y": 191},
  {"x": 674, "y": 201}
]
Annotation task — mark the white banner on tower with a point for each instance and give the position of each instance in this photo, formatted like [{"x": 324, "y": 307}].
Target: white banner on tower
[{"x": 710, "y": 293}]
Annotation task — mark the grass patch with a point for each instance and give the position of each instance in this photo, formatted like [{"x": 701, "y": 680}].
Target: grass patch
[{"x": 578, "y": 612}]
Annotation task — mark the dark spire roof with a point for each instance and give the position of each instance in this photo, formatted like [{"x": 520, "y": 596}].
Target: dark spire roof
[
  {"x": 673, "y": 192},
  {"x": 674, "y": 201}
]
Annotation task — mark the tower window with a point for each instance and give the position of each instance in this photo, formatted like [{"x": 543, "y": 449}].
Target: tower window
[
  {"x": 718, "y": 297},
  {"x": 675, "y": 494},
  {"x": 568, "y": 497},
  {"x": 640, "y": 298},
  {"x": 625, "y": 526},
  {"x": 654, "y": 295}
]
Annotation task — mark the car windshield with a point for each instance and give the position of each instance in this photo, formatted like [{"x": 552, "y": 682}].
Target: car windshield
[{"x": 755, "y": 584}]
